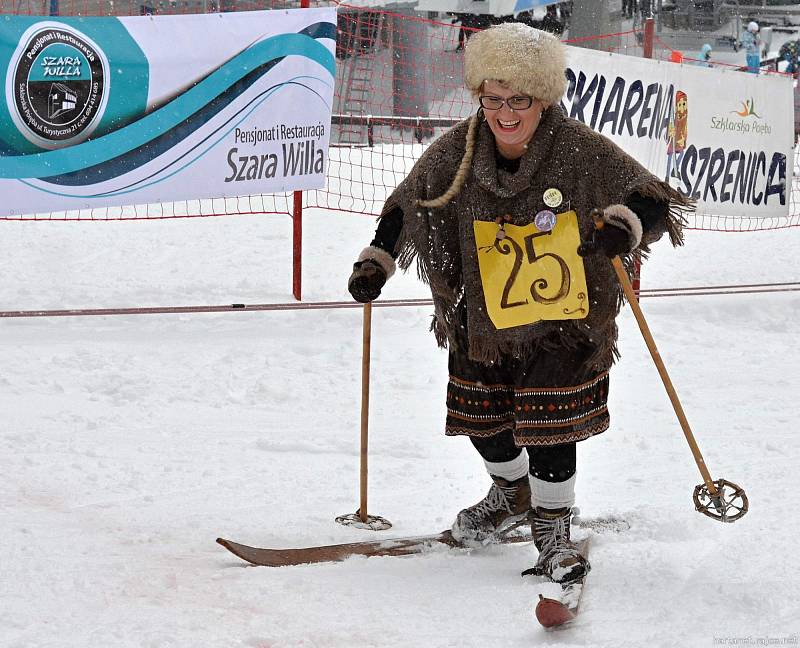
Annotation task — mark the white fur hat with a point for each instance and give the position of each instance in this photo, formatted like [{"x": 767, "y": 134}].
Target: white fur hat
[
  {"x": 528, "y": 60},
  {"x": 752, "y": 26}
]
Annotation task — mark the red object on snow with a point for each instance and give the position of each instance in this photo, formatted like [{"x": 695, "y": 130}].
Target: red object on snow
[{"x": 552, "y": 613}]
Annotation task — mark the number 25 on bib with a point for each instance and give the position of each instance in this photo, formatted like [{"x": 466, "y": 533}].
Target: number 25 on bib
[{"x": 532, "y": 275}]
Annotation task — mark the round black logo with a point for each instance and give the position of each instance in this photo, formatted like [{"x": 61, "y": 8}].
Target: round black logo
[{"x": 60, "y": 86}]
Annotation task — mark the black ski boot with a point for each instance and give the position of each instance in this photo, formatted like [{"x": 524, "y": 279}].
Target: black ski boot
[{"x": 559, "y": 558}]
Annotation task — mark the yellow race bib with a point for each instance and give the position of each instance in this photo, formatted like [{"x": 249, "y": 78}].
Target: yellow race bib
[{"x": 532, "y": 275}]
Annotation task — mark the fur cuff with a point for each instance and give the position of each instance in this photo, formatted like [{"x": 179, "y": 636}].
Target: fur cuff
[
  {"x": 384, "y": 259},
  {"x": 625, "y": 218}
]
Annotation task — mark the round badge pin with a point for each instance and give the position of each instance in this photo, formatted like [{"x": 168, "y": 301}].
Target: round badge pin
[
  {"x": 552, "y": 197},
  {"x": 545, "y": 220}
]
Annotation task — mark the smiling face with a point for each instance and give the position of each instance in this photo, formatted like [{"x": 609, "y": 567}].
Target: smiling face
[
  {"x": 512, "y": 129},
  {"x": 680, "y": 105}
]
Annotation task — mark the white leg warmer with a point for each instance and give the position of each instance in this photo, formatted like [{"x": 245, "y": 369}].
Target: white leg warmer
[
  {"x": 552, "y": 495},
  {"x": 509, "y": 470}
]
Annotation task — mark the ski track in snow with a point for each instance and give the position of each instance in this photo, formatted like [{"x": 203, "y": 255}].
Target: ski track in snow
[{"x": 129, "y": 443}]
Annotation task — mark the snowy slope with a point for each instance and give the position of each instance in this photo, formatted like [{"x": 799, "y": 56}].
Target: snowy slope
[{"x": 130, "y": 443}]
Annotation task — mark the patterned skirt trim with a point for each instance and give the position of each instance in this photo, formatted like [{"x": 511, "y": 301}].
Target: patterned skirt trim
[
  {"x": 451, "y": 429},
  {"x": 537, "y": 415},
  {"x": 597, "y": 426}
]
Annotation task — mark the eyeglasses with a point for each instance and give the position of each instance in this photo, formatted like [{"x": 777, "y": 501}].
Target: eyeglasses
[{"x": 519, "y": 102}]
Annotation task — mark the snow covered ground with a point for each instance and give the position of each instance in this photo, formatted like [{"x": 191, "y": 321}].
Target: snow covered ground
[{"x": 130, "y": 443}]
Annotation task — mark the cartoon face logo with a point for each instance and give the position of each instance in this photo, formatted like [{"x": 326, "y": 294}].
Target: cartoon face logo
[
  {"x": 57, "y": 85},
  {"x": 681, "y": 104}
]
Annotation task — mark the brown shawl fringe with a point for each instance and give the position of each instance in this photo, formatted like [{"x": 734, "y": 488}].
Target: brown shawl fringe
[{"x": 439, "y": 237}]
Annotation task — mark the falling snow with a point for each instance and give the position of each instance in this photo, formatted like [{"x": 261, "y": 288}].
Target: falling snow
[{"x": 130, "y": 443}]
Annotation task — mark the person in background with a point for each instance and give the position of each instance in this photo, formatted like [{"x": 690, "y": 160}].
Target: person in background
[
  {"x": 463, "y": 34},
  {"x": 751, "y": 43},
  {"x": 796, "y": 112},
  {"x": 705, "y": 56},
  {"x": 565, "y": 10},
  {"x": 789, "y": 52},
  {"x": 629, "y": 8},
  {"x": 551, "y": 23},
  {"x": 497, "y": 214}
]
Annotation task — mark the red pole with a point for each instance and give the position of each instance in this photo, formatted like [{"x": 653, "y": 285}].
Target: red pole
[
  {"x": 297, "y": 245},
  {"x": 649, "y": 37},
  {"x": 297, "y": 227}
]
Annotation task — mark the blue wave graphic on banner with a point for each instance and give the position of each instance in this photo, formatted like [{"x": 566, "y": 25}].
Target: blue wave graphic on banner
[
  {"x": 242, "y": 114},
  {"x": 164, "y": 128}
]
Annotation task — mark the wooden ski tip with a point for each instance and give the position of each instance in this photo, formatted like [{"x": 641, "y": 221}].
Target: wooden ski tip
[
  {"x": 240, "y": 551},
  {"x": 551, "y": 613}
]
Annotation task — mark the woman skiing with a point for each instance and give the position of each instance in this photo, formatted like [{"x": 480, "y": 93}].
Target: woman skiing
[{"x": 496, "y": 213}]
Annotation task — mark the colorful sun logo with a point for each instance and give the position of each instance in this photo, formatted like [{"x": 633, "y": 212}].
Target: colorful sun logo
[{"x": 748, "y": 109}]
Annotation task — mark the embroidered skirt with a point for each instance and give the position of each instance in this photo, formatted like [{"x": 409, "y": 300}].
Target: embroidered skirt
[{"x": 545, "y": 399}]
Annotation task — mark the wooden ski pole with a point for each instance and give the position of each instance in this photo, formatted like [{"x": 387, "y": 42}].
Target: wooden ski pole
[
  {"x": 365, "y": 362},
  {"x": 361, "y": 518},
  {"x": 738, "y": 500}
]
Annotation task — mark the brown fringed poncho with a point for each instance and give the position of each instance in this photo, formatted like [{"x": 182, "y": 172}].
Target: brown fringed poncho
[{"x": 588, "y": 169}]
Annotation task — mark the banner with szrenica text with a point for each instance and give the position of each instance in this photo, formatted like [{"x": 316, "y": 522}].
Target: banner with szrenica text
[
  {"x": 721, "y": 136},
  {"x": 132, "y": 110}
]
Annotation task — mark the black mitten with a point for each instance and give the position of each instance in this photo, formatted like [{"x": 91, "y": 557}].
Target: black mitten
[
  {"x": 621, "y": 234},
  {"x": 366, "y": 281},
  {"x": 373, "y": 268}
]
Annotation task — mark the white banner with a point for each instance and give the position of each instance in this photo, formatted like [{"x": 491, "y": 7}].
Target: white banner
[
  {"x": 721, "y": 136},
  {"x": 118, "y": 111}
]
